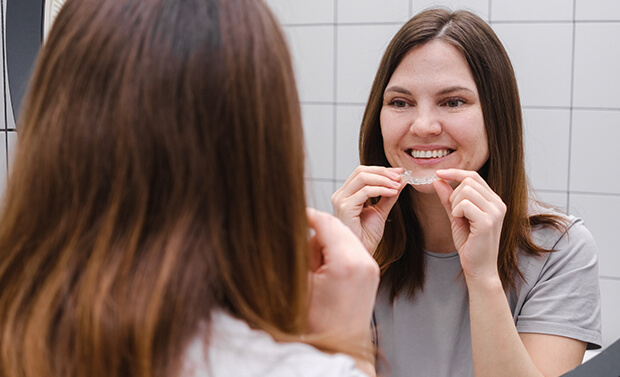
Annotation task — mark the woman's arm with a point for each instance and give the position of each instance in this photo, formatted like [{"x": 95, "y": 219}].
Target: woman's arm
[
  {"x": 499, "y": 350},
  {"x": 476, "y": 214}
]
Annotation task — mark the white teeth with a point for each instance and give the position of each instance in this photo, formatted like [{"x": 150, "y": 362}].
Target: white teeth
[{"x": 430, "y": 154}]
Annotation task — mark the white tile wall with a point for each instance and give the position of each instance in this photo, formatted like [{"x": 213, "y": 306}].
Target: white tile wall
[
  {"x": 542, "y": 64},
  {"x": 319, "y": 194},
  {"x": 611, "y": 324},
  {"x": 303, "y": 12},
  {"x": 594, "y": 158},
  {"x": 360, "y": 48},
  {"x": 597, "y": 10},
  {"x": 597, "y": 58},
  {"x": 372, "y": 11},
  {"x": 312, "y": 48},
  {"x": 558, "y": 200},
  {"x": 532, "y": 10},
  {"x": 547, "y": 133},
  {"x": 319, "y": 133},
  {"x": 481, "y": 7},
  {"x": 348, "y": 120},
  {"x": 600, "y": 214}
]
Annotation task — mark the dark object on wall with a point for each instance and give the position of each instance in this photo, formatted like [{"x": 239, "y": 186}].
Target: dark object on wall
[
  {"x": 605, "y": 364},
  {"x": 24, "y": 33}
]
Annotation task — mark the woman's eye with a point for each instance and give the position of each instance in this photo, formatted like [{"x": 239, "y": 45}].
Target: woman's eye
[
  {"x": 398, "y": 103},
  {"x": 454, "y": 102}
]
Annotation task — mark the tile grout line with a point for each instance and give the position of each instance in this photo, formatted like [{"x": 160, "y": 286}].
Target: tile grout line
[
  {"x": 334, "y": 100},
  {"x": 571, "y": 110}
]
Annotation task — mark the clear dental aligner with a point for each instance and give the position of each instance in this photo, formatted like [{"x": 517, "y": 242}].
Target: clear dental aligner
[{"x": 417, "y": 180}]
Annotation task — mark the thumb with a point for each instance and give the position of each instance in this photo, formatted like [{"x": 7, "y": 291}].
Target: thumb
[{"x": 385, "y": 204}]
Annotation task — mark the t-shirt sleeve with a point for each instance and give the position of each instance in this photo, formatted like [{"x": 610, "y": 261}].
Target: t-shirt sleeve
[{"x": 565, "y": 300}]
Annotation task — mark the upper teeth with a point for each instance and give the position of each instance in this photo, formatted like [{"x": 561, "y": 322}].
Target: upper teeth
[{"x": 430, "y": 154}]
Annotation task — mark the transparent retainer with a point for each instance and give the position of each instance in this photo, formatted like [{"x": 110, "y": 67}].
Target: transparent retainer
[{"x": 416, "y": 181}]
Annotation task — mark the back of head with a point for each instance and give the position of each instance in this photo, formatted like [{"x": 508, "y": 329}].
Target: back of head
[{"x": 159, "y": 174}]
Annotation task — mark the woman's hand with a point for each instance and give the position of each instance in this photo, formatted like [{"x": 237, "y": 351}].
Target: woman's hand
[
  {"x": 350, "y": 201},
  {"x": 477, "y": 214},
  {"x": 343, "y": 280}
]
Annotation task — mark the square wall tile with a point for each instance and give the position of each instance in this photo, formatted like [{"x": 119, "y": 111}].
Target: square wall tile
[
  {"x": 600, "y": 213},
  {"x": 546, "y": 134},
  {"x": 479, "y": 7},
  {"x": 319, "y": 194},
  {"x": 597, "y": 58},
  {"x": 319, "y": 134},
  {"x": 594, "y": 162},
  {"x": 348, "y": 121},
  {"x": 360, "y": 49},
  {"x": 532, "y": 10},
  {"x": 369, "y": 11},
  {"x": 610, "y": 310},
  {"x": 555, "y": 199},
  {"x": 312, "y": 48},
  {"x": 291, "y": 12},
  {"x": 541, "y": 55},
  {"x": 3, "y": 164},
  {"x": 597, "y": 10}
]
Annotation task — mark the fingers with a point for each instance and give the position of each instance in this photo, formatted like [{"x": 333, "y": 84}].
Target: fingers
[
  {"x": 472, "y": 198},
  {"x": 334, "y": 240},
  {"x": 364, "y": 183},
  {"x": 344, "y": 285}
]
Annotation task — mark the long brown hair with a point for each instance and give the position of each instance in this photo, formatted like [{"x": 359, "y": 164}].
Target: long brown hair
[
  {"x": 159, "y": 175},
  {"x": 400, "y": 253}
]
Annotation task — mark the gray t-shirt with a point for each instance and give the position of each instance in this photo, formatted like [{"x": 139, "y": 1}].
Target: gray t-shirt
[
  {"x": 430, "y": 336},
  {"x": 236, "y": 350}
]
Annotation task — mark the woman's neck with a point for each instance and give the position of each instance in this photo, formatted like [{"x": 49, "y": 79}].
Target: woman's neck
[{"x": 435, "y": 223}]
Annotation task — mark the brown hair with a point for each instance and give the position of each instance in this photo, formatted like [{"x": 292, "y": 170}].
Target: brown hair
[
  {"x": 400, "y": 253},
  {"x": 159, "y": 175}
]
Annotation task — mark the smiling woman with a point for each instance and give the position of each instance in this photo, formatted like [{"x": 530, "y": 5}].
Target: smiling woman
[{"x": 478, "y": 277}]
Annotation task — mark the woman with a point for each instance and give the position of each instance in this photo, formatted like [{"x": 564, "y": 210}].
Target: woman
[
  {"x": 478, "y": 278},
  {"x": 155, "y": 220}
]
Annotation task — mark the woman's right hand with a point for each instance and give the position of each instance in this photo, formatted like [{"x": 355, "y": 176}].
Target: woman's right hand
[
  {"x": 344, "y": 279},
  {"x": 350, "y": 201}
]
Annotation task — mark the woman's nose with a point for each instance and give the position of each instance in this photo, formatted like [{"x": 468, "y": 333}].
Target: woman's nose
[{"x": 425, "y": 123}]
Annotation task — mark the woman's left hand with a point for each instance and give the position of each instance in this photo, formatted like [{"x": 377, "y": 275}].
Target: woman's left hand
[{"x": 477, "y": 214}]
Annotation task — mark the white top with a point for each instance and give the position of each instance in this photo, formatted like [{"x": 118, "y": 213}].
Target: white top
[
  {"x": 236, "y": 350},
  {"x": 430, "y": 335}
]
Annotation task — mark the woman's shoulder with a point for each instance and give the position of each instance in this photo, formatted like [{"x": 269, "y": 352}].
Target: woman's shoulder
[
  {"x": 229, "y": 347},
  {"x": 572, "y": 248}
]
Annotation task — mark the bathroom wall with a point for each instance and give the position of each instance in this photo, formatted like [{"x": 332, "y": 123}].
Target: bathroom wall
[{"x": 566, "y": 56}]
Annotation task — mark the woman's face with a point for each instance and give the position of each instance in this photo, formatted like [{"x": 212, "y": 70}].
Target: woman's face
[{"x": 431, "y": 116}]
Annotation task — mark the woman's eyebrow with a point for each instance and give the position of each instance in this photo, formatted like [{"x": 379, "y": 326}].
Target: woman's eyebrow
[
  {"x": 452, "y": 89},
  {"x": 397, "y": 89}
]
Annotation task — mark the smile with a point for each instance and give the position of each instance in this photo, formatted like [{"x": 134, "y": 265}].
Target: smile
[{"x": 415, "y": 153}]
